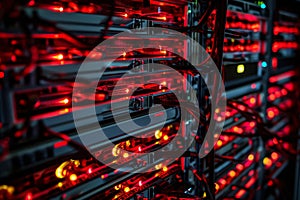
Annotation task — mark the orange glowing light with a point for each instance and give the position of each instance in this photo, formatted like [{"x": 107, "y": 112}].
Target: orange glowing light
[
  {"x": 124, "y": 54},
  {"x": 232, "y": 173},
  {"x": 165, "y": 169},
  {"x": 252, "y": 124},
  {"x": 267, "y": 162},
  {"x": 251, "y": 157},
  {"x": 236, "y": 129},
  {"x": 252, "y": 100},
  {"x": 126, "y": 15},
  {"x": 227, "y": 114},
  {"x": 274, "y": 156},
  {"x": 240, "y": 167},
  {"x": 271, "y": 114},
  {"x": 219, "y": 143},
  {"x": 272, "y": 97}
]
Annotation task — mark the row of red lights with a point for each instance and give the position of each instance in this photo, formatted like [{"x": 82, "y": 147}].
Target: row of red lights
[
  {"x": 232, "y": 174},
  {"x": 285, "y": 29},
  {"x": 251, "y": 48},
  {"x": 244, "y": 127},
  {"x": 237, "y": 20},
  {"x": 275, "y": 93},
  {"x": 284, "y": 45},
  {"x": 255, "y": 27}
]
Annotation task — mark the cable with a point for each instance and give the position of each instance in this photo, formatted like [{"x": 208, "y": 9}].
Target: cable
[{"x": 203, "y": 179}]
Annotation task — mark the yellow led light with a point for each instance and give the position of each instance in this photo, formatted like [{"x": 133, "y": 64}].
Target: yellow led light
[
  {"x": 219, "y": 143},
  {"x": 60, "y": 184},
  {"x": 76, "y": 162},
  {"x": 240, "y": 69},
  {"x": 73, "y": 177},
  {"x": 126, "y": 189},
  {"x": 115, "y": 151},
  {"x": 9, "y": 189},
  {"x": 217, "y": 187},
  {"x": 117, "y": 187},
  {"x": 60, "y": 172},
  {"x": 267, "y": 161},
  {"x": 125, "y": 155},
  {"x": 165, "y": 169},
  {"x": 232, "y": 173},
  {"x": 251, "y": 157},
  {"x": 158, "y": 166},
  {"x": 158, "y": 134},
  {"x": 166, "y": 137}
]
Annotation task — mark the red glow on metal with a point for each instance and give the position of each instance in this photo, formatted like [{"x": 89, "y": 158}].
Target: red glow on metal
[
  {"x": 31, "y": 3},
  {"x": 282, "y": 76},
  {"x": 270, "y": 183},
  {"x": 253, "y": 86},
  {"x": 240, "y": 194},
  {"x": 60, "y": 144},
  {"x": 284, "y": 45},
  {"x": 222, "y": 181},
  {"x": 239, "y": 167},
  {"x": 100, "y": 97},
  {"x": 28, "y": 196},
  {"x": 274, "y": 63},
  {"x": 159, "y": 114},
  {"x": 284, "y": 29},
  {"x": 250, "y": 182}
]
